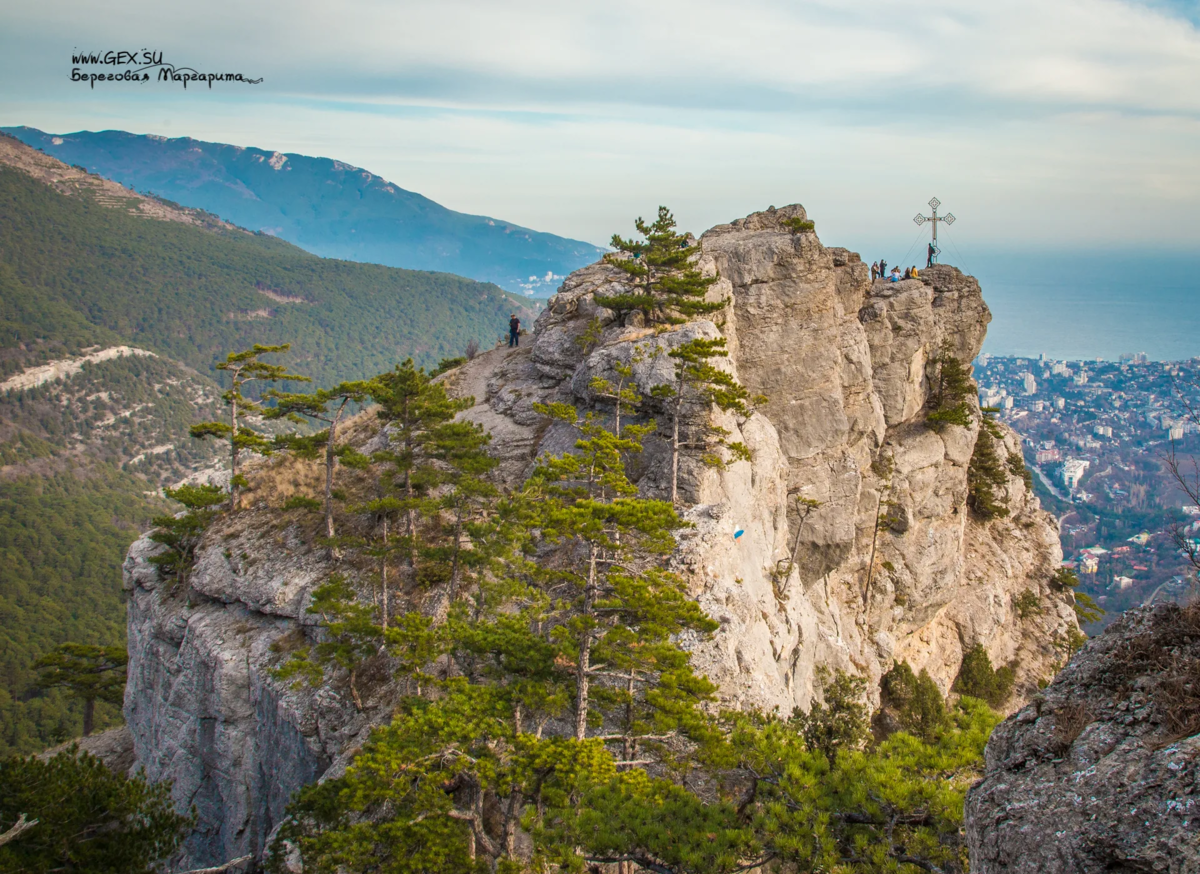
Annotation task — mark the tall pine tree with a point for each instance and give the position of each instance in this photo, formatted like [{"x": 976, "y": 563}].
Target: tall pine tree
[
  {"x": 244, "y": 368},
  {"x": 668, "y": 286}
]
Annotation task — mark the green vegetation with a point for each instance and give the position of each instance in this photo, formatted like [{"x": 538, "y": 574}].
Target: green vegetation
[
  {"x": 91, "y": 673},
  {"x": 698, "y": 380},
  {"x": 82, "y": 456},
  {"x": 977, "y": 678},
  {"x": 950, "y": 387},
  {"x": 243, "y": 368},
  {"x": 798, "y": 225},
  {"x": 1086, "y": 608},
  {"x": 63, "y": 537},
  {"x": 912, "y": 703},
  {"x": 85, "y": 454},
  {"x": 181, "y": 533},
  {"x": 670, "y": 287},
  {"x": 550, "y": 719},
  {"x": 88, "y": 820},
  {"x": 987, "y": 475},
  {"x": 1027, "y": 604},
  {"x": 188, "y": 292}
]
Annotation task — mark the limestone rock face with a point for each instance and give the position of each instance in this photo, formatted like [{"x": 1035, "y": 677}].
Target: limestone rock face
[
  {"x": 1099, "y": 772},
  {"x": 845, "y": 366},
  {"x": 890, "y": 565},
  {"x": 201, "y": 704}
]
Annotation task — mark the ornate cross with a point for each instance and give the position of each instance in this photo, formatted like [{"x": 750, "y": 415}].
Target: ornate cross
[{"x": 948, "y": 218}]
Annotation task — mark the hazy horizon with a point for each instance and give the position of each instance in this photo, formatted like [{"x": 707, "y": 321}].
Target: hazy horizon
[{"x": 1064, "y": 124}]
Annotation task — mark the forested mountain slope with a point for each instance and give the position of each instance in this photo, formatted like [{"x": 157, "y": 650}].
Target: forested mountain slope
[
  {"x": 113, "y": 308},
  {"x": 326, "y": 206},
  {"x": 196, "y": 292}
]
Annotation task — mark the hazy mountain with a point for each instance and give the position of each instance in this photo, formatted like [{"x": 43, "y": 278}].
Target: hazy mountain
[
  {"x": 327, "y": 207},
  {"x": 113, "y": 308}
]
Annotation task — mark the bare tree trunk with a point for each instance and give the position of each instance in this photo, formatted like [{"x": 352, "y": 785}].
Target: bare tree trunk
[
  {"x": 582, "y": 672},
  {"x": 454, "y": 565},
  {"x": 675, "y": 455},
  {"x": 383, "y": 576},
  {"x": 89, "y": 715},
  {"x": 233, "y": 451},
  {"x": 19, "y": 827},
  {"x": 627, "y": 745},
  {"x": 510, "y": 824},
  {"x": 330, "y": 459}
]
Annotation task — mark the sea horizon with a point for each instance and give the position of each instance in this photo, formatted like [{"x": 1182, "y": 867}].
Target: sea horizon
[{"x": 1088, "y": 305}]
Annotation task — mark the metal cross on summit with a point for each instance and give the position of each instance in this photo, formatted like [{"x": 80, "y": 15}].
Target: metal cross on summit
[{"x": 948, "y": 218}]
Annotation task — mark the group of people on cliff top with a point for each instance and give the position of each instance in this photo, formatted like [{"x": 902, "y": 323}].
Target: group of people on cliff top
[
  {"x": 879, "y": 268},
  {"x": 879, "y": 271}
]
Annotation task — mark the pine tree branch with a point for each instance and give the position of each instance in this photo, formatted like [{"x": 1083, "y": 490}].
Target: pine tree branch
[
  {"x": 21, "y": 826},
  {"x": 221, "y": 869}
]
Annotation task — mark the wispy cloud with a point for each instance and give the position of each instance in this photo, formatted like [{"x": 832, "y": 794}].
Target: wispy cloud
[{"x": 571, "y": 117}]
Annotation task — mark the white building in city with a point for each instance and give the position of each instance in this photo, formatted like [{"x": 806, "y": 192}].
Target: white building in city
[
  {"x": 1073, "y": 471},
  {"x": 1030, "y": 383}
]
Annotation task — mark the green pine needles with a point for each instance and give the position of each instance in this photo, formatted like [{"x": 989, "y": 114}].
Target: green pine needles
[
  {"x": 91, "y": 673},
  {"x": 666, "y": 285},
  {"x": 987, "y": 473},
  {"x": 950, "y": 388},
  {"x": 243, "y": 368},
  {"x": 535, "y": 651}
]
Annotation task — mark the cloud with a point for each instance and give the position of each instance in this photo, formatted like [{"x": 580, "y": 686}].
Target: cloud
[{"x": 1042, "y": 121}]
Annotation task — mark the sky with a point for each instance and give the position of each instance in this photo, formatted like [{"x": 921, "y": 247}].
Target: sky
[{"x": 1040, "y": 125}]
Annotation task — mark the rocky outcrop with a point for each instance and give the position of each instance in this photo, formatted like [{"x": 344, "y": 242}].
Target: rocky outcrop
[
  {"x": 201, "y": 703},
  {"x": 1101, "y": 772},
  {"x": 890, "y": 565},
  {"x": 845, "y": 366},
  {"x": 114, "y": 747}
]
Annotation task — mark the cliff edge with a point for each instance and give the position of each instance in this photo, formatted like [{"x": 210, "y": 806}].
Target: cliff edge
[{"x": 890, "y": 565}]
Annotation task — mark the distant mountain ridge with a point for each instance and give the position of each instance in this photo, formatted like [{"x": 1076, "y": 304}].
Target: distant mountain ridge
[
  {"x": 114, "y": 307},
  {"x": 323, "y": 205}
]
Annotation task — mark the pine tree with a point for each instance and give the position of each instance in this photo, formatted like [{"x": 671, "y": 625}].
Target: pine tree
[
  {"x": 987, "y": 474},
  {"x": 243, "y": 368},
  {"x": 613, "y": 599},
  {"x": 350, "y": 638},
  {"x": 669, "y": 286},
  {"x": 181, "y": 533},
  {"x": 951, "y": 386},
  {"x": 412, "y": 407},
  {"x": 327, "y": 406},
  {"x": 623, "y": 394},
  {"x": 89, "y": 819},
  {"x": 92, "y": 673},
  {"x": 466, "y": 494},
  {"x": 977, "y": 678},
  {"x": 698, "y": 381}
]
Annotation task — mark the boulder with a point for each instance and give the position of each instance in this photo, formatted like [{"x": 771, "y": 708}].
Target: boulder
[{"x": 1100, "y": 772}]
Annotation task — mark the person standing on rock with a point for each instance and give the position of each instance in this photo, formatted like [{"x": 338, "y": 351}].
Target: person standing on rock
[
  {"x": 930, "y": 252},
  {"x": 514, "y": 331},
  {"x": 874, "y": 270},
  {"x": 882, "y": 269}
]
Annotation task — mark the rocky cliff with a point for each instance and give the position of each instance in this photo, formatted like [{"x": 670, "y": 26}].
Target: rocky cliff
[
  {"x": 1101, "y": 772},
  {"x": 889, "y": 565}
]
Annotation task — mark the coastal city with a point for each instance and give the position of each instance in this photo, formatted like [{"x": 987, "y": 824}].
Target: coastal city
[{"x": 1114, "y": 449}]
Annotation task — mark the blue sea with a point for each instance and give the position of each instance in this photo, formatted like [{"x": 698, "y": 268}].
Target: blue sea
[{"x": 1090, "y": 304}]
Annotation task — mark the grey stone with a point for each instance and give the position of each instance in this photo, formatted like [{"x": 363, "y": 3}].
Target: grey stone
[
  {"x": 1091, "y": 776},
  {"x": 844, "y": 364}
]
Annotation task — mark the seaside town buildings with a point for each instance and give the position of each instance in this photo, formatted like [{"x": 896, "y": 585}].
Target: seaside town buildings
[{"x": 1097, "y": 437}]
